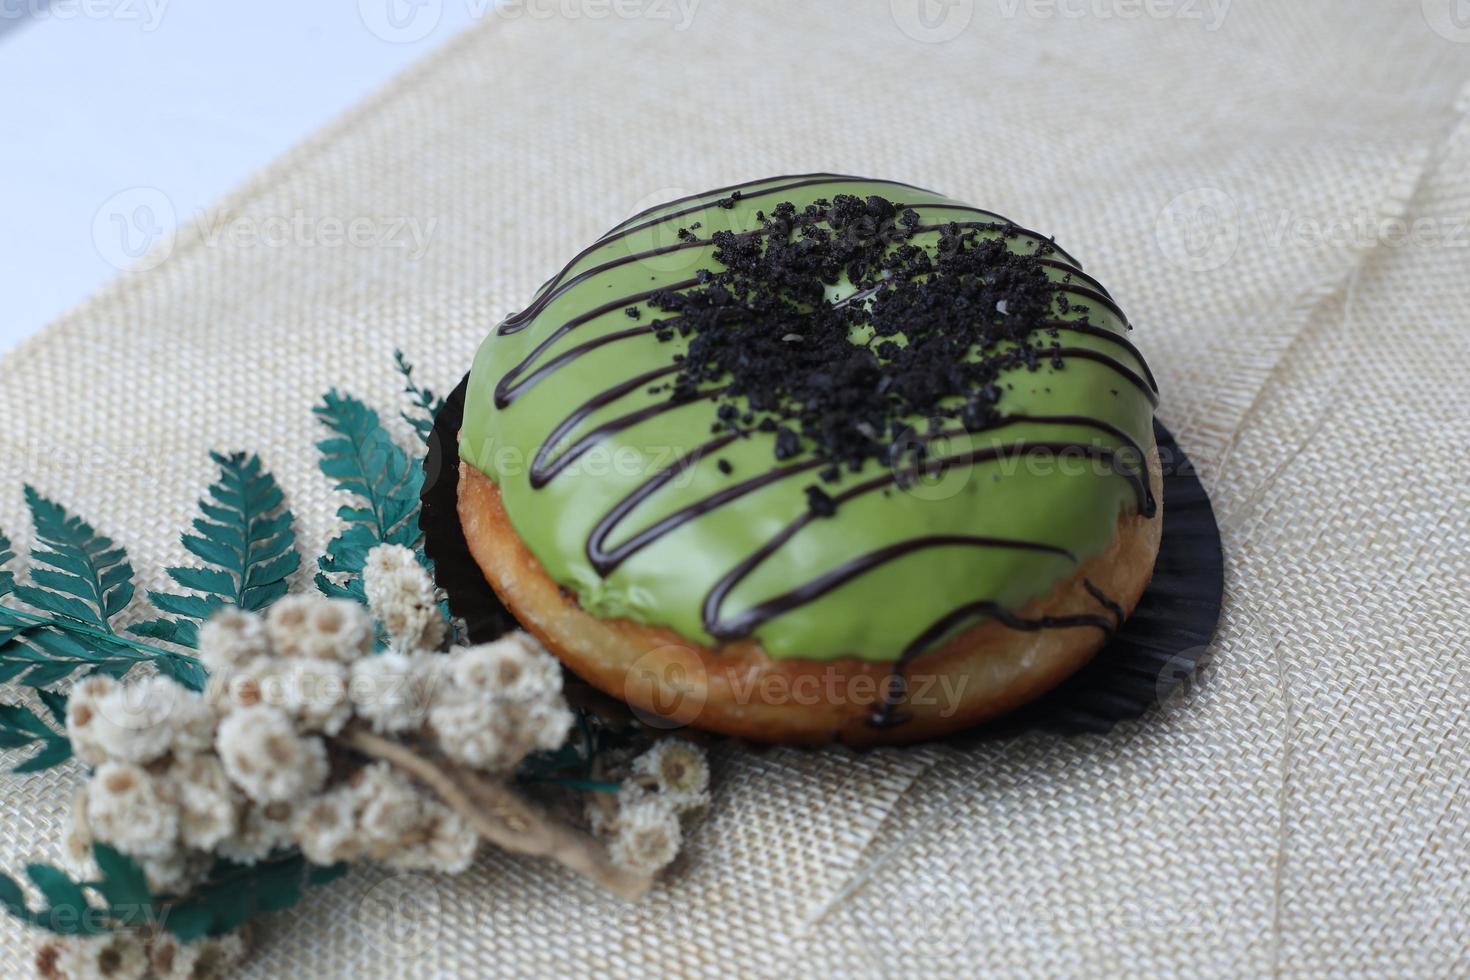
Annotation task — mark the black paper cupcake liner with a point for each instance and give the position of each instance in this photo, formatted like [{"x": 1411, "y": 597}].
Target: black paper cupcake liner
[{"x": 1162, "y": 645}]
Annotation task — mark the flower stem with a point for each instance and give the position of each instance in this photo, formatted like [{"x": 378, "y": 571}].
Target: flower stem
[{"x": 501, "y": 815}]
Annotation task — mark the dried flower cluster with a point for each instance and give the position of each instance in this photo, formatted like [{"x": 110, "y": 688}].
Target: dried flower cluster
[
  {"x": 246, "y": 769},
  {"x": 308, "y": 739},
  {"x": 403, "y": 598},
  {"x": 642, "y": 823},
  {"x": 131, "y": 955}
]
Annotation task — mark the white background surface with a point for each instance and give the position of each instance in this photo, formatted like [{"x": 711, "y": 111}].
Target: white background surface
[{"x": 120, "y": 118}]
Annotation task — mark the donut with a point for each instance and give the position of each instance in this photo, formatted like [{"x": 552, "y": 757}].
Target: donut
[{"x": 815, "y": 458}]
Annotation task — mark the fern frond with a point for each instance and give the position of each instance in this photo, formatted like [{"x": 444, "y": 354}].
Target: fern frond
[
  {"x": 231, "y": 894},
  {"x": 84, "y": 582},
  {"x": 247, "y": 539},
  {"x": 366, "y": 462},
  {"x": 89, "y": 579},
  {"x": 7, "y": 578},
  {"x": 363, "y": 460},
  {"x": 21, "y": 727},
  {"x": 425, "y": 404},
  {"x": 39, "y": 651},
  {"x": 235, "y": 892},
  {"x": 122, "y": 886}
]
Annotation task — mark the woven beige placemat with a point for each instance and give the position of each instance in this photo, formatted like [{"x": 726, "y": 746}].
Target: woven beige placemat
[{"x": 1237, "y": 173}]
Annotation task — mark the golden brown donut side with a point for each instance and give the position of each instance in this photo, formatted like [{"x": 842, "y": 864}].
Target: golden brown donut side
[{"x": 737, "y": 689}]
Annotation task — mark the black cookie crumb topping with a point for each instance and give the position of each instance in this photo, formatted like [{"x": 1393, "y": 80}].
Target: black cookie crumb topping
[
  {"x": 820, "y": 502},
  {"x": 923, "y": 333}
]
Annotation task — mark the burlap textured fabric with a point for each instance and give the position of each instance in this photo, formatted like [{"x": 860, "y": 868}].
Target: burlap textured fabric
[{"x": 1224, "y": 169}]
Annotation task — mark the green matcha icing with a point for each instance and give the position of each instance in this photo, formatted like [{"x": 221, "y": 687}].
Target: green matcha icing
[{"x": 692, "y": 511}]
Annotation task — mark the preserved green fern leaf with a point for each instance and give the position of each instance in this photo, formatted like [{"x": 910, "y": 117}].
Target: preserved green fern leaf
[
  {"x": 21, "y": 727},
  {"x": 425, "y": 405},
  {"x": 81, "y": 581},
  {"x": 88, "y": 578},
  {"x": 7, "y": 578},
  {"x": 362, "y": 459},
  {"x": 236, "y": 892},
  {"x": 69, "y": 911},
  {"x": 247, "y": 541}
]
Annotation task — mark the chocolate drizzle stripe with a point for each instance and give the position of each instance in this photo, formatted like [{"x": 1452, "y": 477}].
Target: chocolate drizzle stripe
[
  {"x": 541, "y": 470},
  {"x": 507, "y": 390},
  {"x": 1102, "y": 599},
  {"x": 627, "y": 226},
  {"x": 1093, "y": 296},
  {"x": 993, "y": 610},
  {"x": 505, "y": 395},
  {"x": 754, "y": 183},
  {"x": 625, "y": 229},
  {"x": 1130, "y": 375},
  {"x": 895, "y": 690},
  {"x": 1076, "y": 271},
  {"x": 741, "y": 625},
  {"x": 542, "y": 474},
  {"x": 517, "y": 322},
  {"x": 1012, "y": 230},
  {"x": 606, "y": 559},
  {"x": 1103, "y": 333},
  {"x": 886, "y": 715},
  {"x": 1070, "y": 263}
]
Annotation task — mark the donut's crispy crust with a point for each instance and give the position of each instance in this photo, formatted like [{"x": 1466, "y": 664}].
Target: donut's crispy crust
[{"x": 738, "y": 690}]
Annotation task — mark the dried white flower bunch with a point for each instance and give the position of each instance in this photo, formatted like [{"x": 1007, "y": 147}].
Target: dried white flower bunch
[
  {"x": 308, "y": 739},
  {"x": 130, "y": 955},
  {"x": 403, "y": 598},
  {"x": 246, "y": 769},
  {"x": 642, "y": 823}
]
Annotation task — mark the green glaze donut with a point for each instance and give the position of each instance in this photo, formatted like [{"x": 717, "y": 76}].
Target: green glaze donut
[{"x": 665, "y": 465}]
